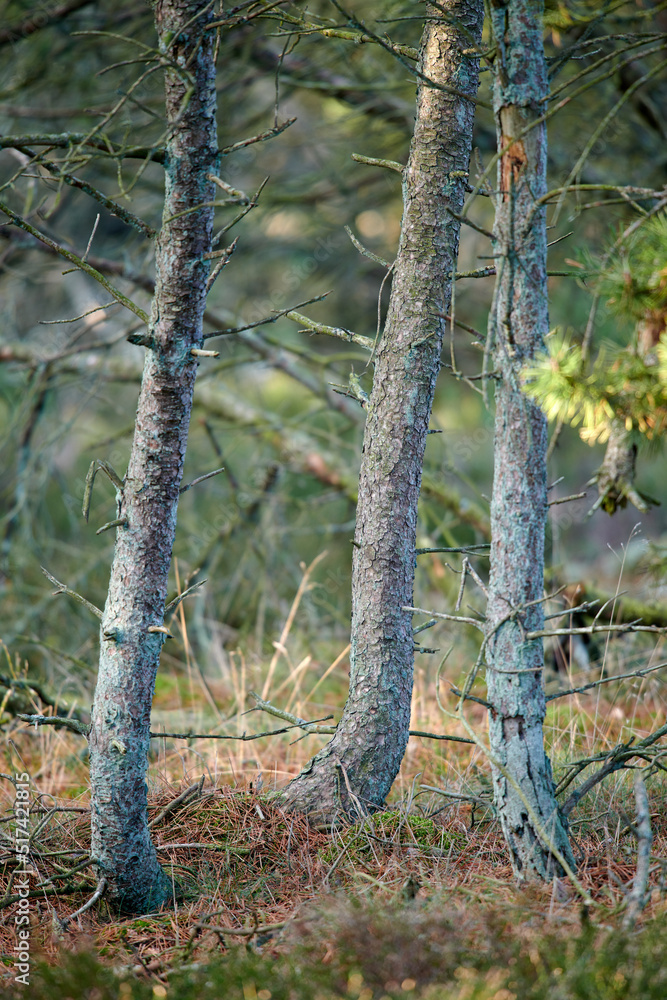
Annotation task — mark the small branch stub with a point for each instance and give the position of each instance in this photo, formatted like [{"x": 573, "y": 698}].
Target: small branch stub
[
  {"x": 118, "y": 522},
  {"x": 198, "y": 352},
  {"x": 162, "y": 629}
]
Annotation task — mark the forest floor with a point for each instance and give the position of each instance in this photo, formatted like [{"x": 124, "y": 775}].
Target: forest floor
[{"x": 417, "y": 901}]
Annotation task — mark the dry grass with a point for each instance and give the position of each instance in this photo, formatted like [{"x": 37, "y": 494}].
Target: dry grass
[{"x": 429, "y": 877}]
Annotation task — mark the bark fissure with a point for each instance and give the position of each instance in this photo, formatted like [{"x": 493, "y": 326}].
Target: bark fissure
[
  {"x": 518, "y": 324},
  {"x": 147, "y": 503},
  {"x": 372, "y": 735}
]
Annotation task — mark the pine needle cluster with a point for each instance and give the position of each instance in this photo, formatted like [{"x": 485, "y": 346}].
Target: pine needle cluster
[
  {"x": 620, "y": 384},
  {"x": 627, "y": 384}
]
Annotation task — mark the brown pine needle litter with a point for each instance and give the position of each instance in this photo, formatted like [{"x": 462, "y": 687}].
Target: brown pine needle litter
[
  {"x": 422, "y": 887},
  {"x": 244, "y": 872}
]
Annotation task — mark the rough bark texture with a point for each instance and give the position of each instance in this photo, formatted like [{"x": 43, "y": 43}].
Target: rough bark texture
[
  {"x": 357, "y": 768},
  {"x": 517, "y": 326},
  {"x": 130, "y": 653}
]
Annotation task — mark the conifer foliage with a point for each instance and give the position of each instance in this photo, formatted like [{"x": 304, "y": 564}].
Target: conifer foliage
[{"x": 620, "y": 396}]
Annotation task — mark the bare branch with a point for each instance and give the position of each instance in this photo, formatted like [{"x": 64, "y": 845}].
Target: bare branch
[
  {"x": 180, "y": 597},
  {"x": 438, "y": 736},
  {"x": 604, "y": 680},
  {"x": 113, "y": 207},
  {"x": 268, "y": 134},
  {"x": 80, "y": 728},
  {"x": 446, "y": 618},
  {"x": 279, "y": 713},
  {"x": 373, "y": 161},
  {"x": 615, "y": 761},
  {"x": 73, "y": 259},
  {"x": 590, "y": 629},
  {"x": 65, "y": 140},
  {"x": 62, "y": 589},
  {"x": 201, "y": 479},
  {"x": 41, "y": 19},
  {"x": 310, "y": 326}
]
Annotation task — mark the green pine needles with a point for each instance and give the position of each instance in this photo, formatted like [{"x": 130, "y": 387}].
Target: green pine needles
[
  {"x": 627, "y": 384},
  {"x": 620, "y": 384}
]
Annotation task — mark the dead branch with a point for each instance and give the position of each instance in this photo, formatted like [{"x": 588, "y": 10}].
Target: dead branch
[
  {"x": 14, "y": 704},
  {"x": 638, "y": 893},
  {"x": 605, "y": 680},
  {"x": 438, "y": 736},
  {"x": 40, "y": 19},
  {"x": 195, "y": 586},
  {"x": 99, "y": 892},
  {"x": 590, "y": 629},
  {"x": 62, "y": 589},
  {"x": 309, "y": 727},
  {"x": 243, "y": 737},
  {"x": 310, "y": 326},
  {"x": 73, "y": 258},
  {"x": 446, "y": 618},
  {"x": 56, "y": 720},
  {"x": 194, "y": 789},
  {"x": 614, "y": 761}
]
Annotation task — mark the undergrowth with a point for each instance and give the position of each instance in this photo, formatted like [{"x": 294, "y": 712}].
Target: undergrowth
[
  {"x": 418, "y": 900},
  {"x": 376, "y": 951}
]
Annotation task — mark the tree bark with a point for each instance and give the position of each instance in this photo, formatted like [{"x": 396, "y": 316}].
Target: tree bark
[
  {"x": 355, "y": 771},
  {"x": 148, "y": 499},
  {"x": 523, "y": 784}
]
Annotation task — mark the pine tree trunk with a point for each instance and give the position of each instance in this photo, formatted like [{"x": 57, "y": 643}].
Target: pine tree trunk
[
  {"x": 518, "y": 323},
  {"x": 356, "y": 770},
  {"x": 130, "y": 651}
]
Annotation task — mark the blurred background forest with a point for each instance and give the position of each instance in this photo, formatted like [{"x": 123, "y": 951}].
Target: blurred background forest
[{"x": 267, "y": 409}]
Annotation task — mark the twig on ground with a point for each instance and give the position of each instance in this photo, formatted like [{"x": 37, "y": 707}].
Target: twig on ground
[
  {"x": 86, "y": 863},
  {"x": 40, "y": 893},
  {"x": 241, "y": 931},
  {"x": 487, "y": 803},
  {"x": 99, "y": 892},
  {"x": 194, "y": 789}
]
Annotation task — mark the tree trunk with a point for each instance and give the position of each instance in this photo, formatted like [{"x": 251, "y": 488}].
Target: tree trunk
[
  {"x": 148, "y": 500},
  {"x": 355, "y": 771},
  {"x": 524, "y": 790}
]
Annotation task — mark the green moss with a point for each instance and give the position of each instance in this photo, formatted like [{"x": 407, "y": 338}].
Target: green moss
[{"x": 390, "y": 828}]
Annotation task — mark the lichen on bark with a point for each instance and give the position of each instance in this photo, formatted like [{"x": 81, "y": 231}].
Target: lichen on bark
[
  {"x": 524, "y": 791},
  {"x": 147, "y": 503},
  {"x": 356, "y": 770}
]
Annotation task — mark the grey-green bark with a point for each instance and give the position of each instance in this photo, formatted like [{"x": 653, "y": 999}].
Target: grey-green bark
[
  {"x": 524, "y": 790},
  {"x": 130, "y": 651},
  {"x": 356, "y": 769}
]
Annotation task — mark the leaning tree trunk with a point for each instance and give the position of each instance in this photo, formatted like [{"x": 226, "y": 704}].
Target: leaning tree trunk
[
  {"x": 524, "y": 790},
  {"x": 357, "y": 768},
  {"x": 130, "y": 638}
]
